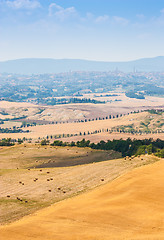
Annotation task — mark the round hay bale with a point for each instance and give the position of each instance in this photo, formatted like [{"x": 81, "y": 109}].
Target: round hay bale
[
  {"x": 49, "y": 190},
  {"x": 8, "y": 196},
  {"x": 59, "y": 188},
  {"x": 102, "y": 179}
]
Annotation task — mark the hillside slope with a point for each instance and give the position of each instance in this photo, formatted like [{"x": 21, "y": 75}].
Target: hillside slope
[
  {"x": 130, "y": 207},
  {"x": 43, "y": 65}
]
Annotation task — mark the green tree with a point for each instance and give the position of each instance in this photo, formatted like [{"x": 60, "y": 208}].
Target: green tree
[
  {"x": 44, "y": 142},
  {"x": 149, "y": 149}
]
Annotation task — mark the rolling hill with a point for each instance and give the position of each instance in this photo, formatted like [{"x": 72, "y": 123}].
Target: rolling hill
[
  {"x": 130, "y": 207},
  {"x": 40, "y": 66}
]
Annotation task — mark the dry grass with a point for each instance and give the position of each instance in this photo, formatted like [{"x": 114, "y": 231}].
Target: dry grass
[
  {"x": 76, "y": 128},
  {"x": 42, "y": 187},
  {"x": 78, "y": 111},
  {"x": 130, "y": 207},
  {"x": 34, "y": 155},
  {"x": 106, "y": 136}
]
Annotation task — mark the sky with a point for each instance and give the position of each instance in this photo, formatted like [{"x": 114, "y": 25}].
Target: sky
[{"x": 101, "y": 30}]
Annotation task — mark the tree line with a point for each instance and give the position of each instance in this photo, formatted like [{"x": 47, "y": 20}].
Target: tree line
[
  {"x": 127, "y": 147},
  {"x": 55, "y": 101}
]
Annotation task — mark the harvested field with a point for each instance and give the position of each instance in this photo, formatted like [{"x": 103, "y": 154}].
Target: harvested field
[
  {"x": 31, "y": 189},
  {"x": 36, "y": 156},
  {"x": 79, "y": 111},
  {"x": 130, "y": 207},
  {"x": 106, "y": 136},
  {"x": 89, "y": 157},
  {"x": 76, "y": 128}
]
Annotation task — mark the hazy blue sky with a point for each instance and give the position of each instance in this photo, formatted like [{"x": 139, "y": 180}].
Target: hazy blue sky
[{"x": 109, "y": 30}]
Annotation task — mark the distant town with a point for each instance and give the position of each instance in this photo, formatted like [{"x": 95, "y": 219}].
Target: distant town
[{"x": 48, "y": 88}]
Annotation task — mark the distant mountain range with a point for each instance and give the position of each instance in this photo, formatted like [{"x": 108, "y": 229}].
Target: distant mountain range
[{"x": 43, "y": 65}]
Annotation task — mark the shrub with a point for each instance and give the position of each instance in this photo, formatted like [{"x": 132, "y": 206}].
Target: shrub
[{"x": 44, "y": 142}]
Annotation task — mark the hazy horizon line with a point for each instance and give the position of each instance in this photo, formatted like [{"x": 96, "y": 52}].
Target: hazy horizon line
[{"x": 78, "y": 59}]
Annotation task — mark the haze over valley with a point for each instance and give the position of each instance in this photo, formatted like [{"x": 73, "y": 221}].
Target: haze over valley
[
  {"x": 81, "y": 120},
  {"x": 42, "y": 66}
]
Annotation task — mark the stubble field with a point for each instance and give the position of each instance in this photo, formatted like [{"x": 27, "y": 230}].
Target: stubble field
[
  {"x": 26, "y": 187},
  {"x": 135, "y": 119},
  {"x": 130, "y": 207}
]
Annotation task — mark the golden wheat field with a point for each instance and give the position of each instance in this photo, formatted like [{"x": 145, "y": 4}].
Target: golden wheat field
[
  {"x": 41, "y": 131},
  {"x": 129, "y": 207},
  {"x": 44, "y": 175},
  {"x": 70, "y": 193}
]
